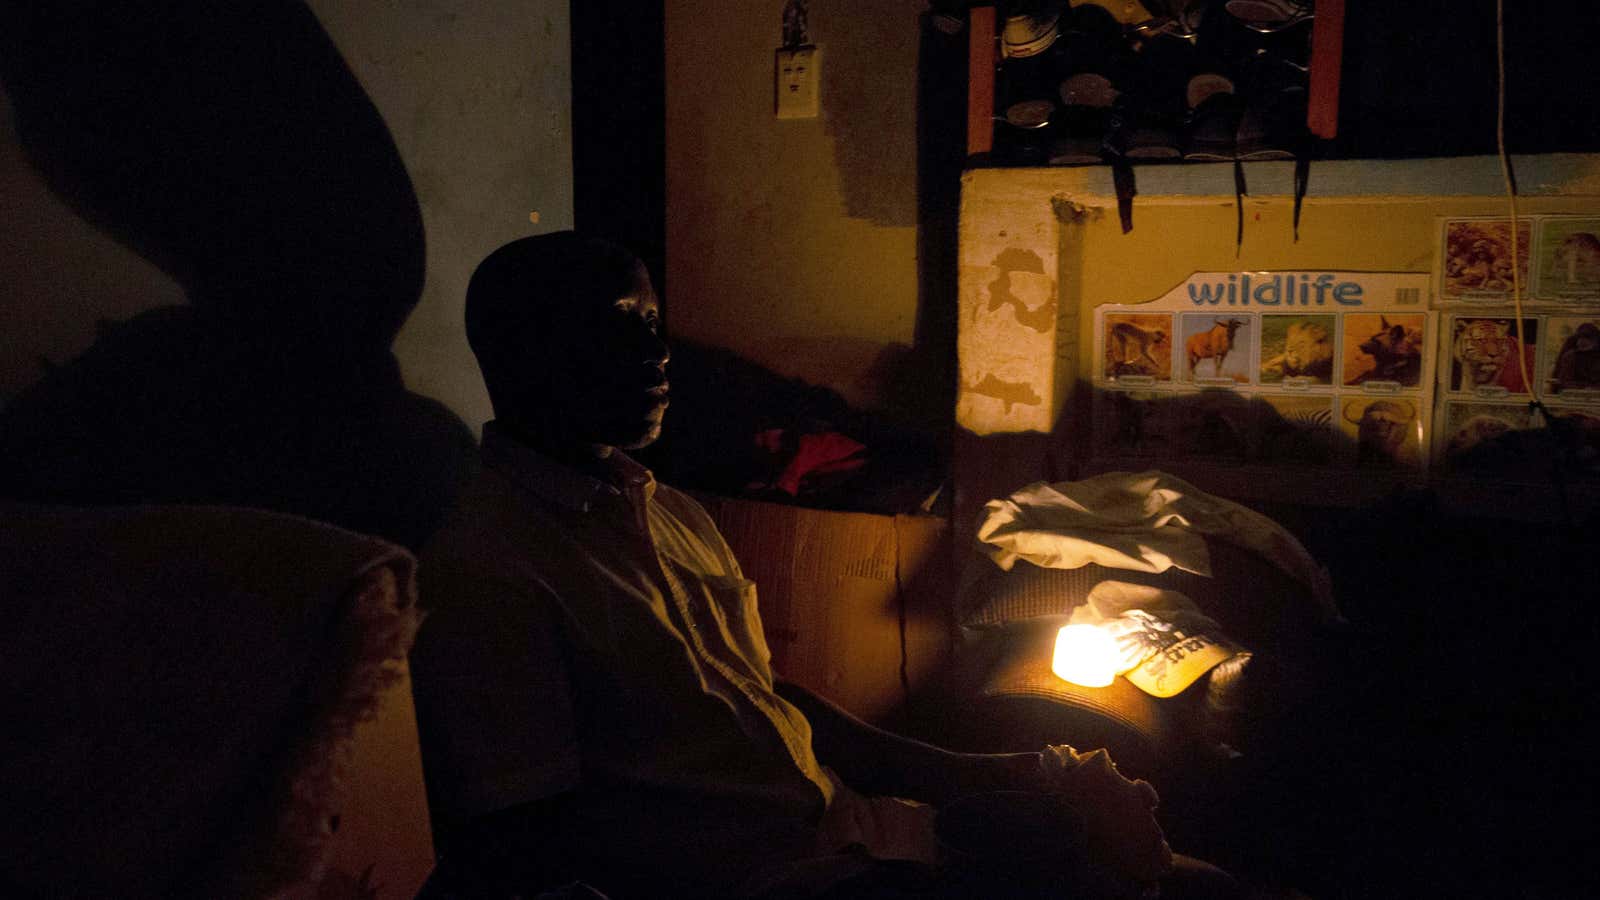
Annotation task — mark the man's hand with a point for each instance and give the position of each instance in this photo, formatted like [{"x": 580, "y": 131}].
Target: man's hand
[
  {"x": 879, "y": 762},
  {"x": 1119, "y": 814}
]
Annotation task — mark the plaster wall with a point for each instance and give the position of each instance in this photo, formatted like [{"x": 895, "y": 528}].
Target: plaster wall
[
  {"x": 478, "y": 98},
  {"x": 794, "y": 242}
]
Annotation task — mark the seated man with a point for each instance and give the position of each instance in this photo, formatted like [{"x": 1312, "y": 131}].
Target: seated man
[{"x": 595, "y": 694}]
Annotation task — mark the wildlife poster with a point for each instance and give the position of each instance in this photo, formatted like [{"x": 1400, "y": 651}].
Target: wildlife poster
[
  {"x": 1382, "y": 432},
  {"x": 1256, "y": 368},
  {"x": 1569, "y": 259},
  {"x": 1475, "y": 259},
  {"x": 1217, "y": 349},
  {"x": 1137, "y": 347},
  {"x": 1297, "y": 351},
  {"x": 1296, "y": 429},
  {"x": 1383, "y": 352},
  {"x": 1484, "y": 358},
  {"x": 1572, "y": 358}
]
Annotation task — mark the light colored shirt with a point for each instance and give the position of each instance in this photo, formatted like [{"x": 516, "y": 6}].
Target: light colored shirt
[{"x": 597, "y": 636}]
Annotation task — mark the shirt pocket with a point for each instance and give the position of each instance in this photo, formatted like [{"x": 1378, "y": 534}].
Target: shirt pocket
[{"x": 734, "y": 598}]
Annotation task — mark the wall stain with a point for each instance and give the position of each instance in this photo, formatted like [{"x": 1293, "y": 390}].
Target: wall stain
[
  {"x": 1071, "y": 212},
  {"x": 869, "y": 106},
  {"x": 1011, "y": 393},
  {"x": 1010, "y": 260}
]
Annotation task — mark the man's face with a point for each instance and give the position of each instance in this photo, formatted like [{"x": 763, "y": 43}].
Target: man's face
[{"x": 610, "y": 364}]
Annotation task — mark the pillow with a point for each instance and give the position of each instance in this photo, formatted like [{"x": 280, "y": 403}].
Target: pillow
[{"x": 181, "y": 685}]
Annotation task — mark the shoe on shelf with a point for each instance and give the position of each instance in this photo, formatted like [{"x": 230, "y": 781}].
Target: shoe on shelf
[
  {"x": 1084, "y": 120},
  {"x": 1273, "y": 126},
  {"x": 1210, "y": 132},
  {"x": 1140, "y": 133},
  {"x": 1270, "y": 16}
]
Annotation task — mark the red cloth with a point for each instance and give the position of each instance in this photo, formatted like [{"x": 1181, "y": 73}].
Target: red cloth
[{"x": 826, "y": 453}]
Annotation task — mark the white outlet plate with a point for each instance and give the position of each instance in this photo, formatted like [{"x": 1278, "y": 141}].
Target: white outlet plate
[{"x": 799, "y": 80}]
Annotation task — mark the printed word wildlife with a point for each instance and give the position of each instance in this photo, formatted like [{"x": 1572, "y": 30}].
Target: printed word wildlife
[{"x": 1277, "y": 290}]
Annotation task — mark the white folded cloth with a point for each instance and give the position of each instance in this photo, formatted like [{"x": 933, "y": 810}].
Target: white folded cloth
[{"x": 1144, "y": 521}]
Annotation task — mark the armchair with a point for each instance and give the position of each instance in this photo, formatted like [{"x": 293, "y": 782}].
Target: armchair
[{"x": 206, "y": 702}]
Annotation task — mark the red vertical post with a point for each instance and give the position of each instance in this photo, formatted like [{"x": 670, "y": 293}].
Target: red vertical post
[
  {"x": 1327, "y": 53},
  {"x": 980, "y": 80}
]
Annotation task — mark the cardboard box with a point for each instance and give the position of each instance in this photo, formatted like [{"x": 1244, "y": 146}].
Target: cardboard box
[{"x": 834, "y": 590}]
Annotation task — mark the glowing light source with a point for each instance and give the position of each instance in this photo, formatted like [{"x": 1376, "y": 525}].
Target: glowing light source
[{"x": 1086, "y": 655}]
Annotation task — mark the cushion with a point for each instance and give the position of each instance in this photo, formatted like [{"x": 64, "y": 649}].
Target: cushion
[{"x": 182, "y": 683}]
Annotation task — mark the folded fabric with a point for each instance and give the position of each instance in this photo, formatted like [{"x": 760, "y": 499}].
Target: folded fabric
[
  {"x": 1165, "y": 642},
  {"x": 1145, "y": 522}
]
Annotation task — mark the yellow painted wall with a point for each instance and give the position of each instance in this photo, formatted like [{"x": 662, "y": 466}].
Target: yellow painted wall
[
  {"x": 793, "y": 242},
  {"x": 1042, "y": 241}
]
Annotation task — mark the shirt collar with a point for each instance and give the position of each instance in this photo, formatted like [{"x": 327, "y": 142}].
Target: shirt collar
[{"x": 559, "y": 483}]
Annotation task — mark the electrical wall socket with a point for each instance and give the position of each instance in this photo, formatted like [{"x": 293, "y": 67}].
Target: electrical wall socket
[{"x": 799, "y": 82}]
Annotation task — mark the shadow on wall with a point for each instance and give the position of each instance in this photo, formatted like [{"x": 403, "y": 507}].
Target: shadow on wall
[
  {"x": 1363, "y": 433},
  {"x": 234, "y": 149}
]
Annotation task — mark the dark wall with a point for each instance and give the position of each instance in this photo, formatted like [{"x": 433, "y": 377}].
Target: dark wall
[
  {"x": 1420, "y": 78},
  {"x": 619, "y": 126}
]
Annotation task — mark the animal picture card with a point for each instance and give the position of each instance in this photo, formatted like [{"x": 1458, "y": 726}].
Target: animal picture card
[
  {"x": 1569, "y": 259},
  {"x": 1384, "y": 432},
  {"x": 1475, "y": 259},
  {"x": 1572, "y": 358},
  {"x": 1584, "y": 426},
  {"x": 1471, "y": 437},
  {"x": 1215, "y": 425},
  {"x": 1484, "y": 357},
  {"x": 1383, "y": 351},
  {"x": 1298, "y": 350},
  {"x": 1138, "y": 347},
  {"x": 1217, "y": 349},
  {"x": 1136, "y": 423},
  {"x": 1295, "y": 429}
]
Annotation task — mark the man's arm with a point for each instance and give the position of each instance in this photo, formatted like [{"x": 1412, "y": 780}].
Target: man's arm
[
  {"x": 875, "y": 761},
  {"x": 498, "y": 733},
  {"x": 1122, "y": 835}
]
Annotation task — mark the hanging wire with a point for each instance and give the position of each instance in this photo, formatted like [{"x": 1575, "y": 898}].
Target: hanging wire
[
  {"x": 1511, "y": 200},
  {"x": 1562, "y": 433}
]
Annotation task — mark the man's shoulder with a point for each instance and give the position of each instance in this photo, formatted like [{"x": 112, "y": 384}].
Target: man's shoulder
[
  {"x": 489, "y": 519},
  {"x": 673, "y": 497}
]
